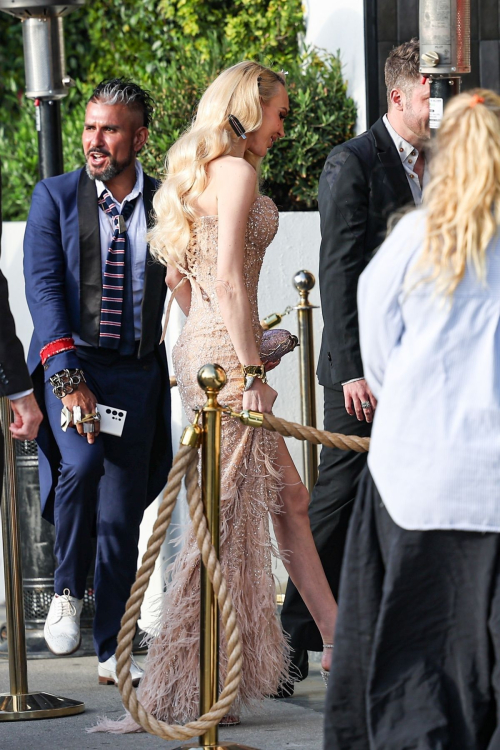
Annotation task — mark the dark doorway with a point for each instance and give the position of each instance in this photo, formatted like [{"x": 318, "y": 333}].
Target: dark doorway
[{"x": 391, "y": 22}]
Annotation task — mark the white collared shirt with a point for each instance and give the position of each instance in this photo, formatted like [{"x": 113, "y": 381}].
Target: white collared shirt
[
  {"x": 137, "y": 230},
  {"x": 408, "y": 155}
]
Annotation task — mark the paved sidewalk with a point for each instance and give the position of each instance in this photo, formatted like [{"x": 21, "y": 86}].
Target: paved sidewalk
[{"x": 292, "y": 724}]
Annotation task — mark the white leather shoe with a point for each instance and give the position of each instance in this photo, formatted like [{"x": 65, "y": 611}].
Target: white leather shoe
[
  {"x": 62, "y": 626},
  {"x": 107, "y": 672}
]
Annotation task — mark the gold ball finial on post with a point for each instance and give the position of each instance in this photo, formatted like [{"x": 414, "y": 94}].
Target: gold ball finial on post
[
  {"x": 212, "y": 378},
  {"x": 304, "y": 281}
]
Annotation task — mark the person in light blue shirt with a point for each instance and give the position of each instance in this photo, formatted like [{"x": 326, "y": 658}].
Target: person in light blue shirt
[{"x": 417, "y": 650}]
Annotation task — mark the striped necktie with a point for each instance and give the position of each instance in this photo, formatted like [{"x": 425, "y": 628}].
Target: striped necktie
[{"x": 116, "y": 318}]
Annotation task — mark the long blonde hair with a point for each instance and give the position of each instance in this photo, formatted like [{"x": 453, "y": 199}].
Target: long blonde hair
[
  {"x": 463, "y": 195},
  {"x": 239, "y": 91}
]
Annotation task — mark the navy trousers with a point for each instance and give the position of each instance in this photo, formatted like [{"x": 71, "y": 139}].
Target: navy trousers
[{"x": 102, "y": 487}]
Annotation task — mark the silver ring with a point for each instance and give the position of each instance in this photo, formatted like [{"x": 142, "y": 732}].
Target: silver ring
[{"x": 366, "y": 405}]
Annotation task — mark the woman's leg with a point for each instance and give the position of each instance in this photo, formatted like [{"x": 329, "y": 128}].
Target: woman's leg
[{"x": 293, "y": 533}]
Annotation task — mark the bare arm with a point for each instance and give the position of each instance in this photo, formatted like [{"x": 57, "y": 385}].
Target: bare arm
[
  {"x": 183, "y": 294},
  {"x": 235, "y": 183}
]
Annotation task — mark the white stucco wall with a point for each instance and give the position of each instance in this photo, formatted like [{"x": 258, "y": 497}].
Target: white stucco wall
[
  {"x": 338, "y": 25},
  {"x": 295, "y": 247}
]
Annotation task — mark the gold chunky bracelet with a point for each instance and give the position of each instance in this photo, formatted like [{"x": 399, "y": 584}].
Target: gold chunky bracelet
[{"x": 250, "y": 372}]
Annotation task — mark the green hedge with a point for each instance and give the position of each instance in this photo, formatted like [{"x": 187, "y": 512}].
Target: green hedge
[{"x": 175, "y": 49}]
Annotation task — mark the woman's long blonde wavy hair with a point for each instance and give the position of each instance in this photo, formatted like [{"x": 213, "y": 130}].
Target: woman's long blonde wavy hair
[
  {"x": 239, "y": 91},
  {"x": 463, "y": 195}
]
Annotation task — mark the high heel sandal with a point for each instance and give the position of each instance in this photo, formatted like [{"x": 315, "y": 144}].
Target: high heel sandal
[
  {"x": 324, "y": 673},
  {"x": 230, "y": 720}
]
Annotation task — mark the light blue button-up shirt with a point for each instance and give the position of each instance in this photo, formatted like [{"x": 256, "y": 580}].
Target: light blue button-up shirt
[{"x": 435, "y": 370}]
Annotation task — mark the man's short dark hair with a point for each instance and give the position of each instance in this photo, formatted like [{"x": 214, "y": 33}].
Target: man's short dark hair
[
  {"x": 123, "y": 91},
  {"x": 402, "y": 67}
]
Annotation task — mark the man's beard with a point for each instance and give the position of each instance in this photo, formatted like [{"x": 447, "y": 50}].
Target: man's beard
[
  {"x": 418, "y": 127},
  {"x": 112, "y": 170}
]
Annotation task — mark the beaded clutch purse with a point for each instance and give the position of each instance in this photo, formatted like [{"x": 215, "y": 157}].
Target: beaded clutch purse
[{"x": 276, "y": 343}]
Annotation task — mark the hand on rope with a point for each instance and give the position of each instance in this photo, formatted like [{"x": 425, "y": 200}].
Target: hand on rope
[{"x": 185, "y": 464}]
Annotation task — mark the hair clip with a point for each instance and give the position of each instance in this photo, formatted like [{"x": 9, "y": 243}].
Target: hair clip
[
  {"x": 237, "y": 127},
  {"x": 476, "y": 99}
]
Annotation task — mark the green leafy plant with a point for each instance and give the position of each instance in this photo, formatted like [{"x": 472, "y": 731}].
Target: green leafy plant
[
  {"x": 175, "y": 48},
  {"x": 321, "y": 116}
]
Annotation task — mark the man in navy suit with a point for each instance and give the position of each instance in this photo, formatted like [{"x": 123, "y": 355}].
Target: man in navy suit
[{"x": 96, "y": 297}]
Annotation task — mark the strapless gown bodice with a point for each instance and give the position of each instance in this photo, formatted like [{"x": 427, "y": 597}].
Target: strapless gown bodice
[{"x": 205, "y": 335}]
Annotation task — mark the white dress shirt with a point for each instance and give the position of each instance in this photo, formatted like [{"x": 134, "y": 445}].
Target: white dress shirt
[
  {"x": 435, "y": 370},
  {"x": 408, "y": 155},
  {"x": 137, "y": 230}
]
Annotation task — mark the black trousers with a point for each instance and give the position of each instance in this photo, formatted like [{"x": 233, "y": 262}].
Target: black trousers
[
  {"x": 329, "y": 513},
  {"x": 416, "y": 662}
]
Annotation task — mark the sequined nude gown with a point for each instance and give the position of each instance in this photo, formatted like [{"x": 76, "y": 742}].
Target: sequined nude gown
[{"x": 249, "y": 490}]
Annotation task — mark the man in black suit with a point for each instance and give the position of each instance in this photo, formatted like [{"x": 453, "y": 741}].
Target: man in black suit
[
  {"x": 15, "y": 382},
  {"x": 363, "y": 182},
  {"x": 96, "y": 297}
]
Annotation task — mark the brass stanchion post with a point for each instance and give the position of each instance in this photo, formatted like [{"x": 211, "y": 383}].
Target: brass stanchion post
[
  {"x": 212, "y": 379},
  {"x": 304, "y": 281},
  {"x": 20, "y": 704}
]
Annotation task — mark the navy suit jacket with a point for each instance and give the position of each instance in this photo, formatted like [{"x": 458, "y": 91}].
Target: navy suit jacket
[{"x": 63, "y": 274}]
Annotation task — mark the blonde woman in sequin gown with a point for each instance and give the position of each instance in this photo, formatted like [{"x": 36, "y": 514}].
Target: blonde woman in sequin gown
[{"x": 215, "y": 276}]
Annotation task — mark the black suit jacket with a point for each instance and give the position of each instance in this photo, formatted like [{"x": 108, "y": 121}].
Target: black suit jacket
[
  {"x": 363, "y": 182},
  {"x": 14, "y": 376}
]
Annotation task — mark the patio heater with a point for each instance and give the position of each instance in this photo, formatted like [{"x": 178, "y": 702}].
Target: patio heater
[
  {"x": 45, "y": 66},
  {"x": 444, "y": 51}
]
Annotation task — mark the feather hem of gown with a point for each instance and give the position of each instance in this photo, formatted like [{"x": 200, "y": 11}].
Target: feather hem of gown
[{"x": 170, "y": 687}]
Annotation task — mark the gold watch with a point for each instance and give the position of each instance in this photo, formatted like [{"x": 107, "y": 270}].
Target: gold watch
[{"x": 250, "y": 372}]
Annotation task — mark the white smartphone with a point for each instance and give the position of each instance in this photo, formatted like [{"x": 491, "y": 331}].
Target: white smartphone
[{"x": 112, "y": 419}]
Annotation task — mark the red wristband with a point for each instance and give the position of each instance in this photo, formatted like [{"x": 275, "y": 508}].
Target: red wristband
[{"x": 56, "y": 347}]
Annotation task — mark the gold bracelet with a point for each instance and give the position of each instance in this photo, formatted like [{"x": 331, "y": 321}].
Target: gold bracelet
[{"x": 250, "y": 372}]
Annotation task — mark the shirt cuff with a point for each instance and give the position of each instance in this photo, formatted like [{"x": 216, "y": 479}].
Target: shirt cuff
[
  {"x": 21, "y": 394},
  {"x": 353, "y": 380}
]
